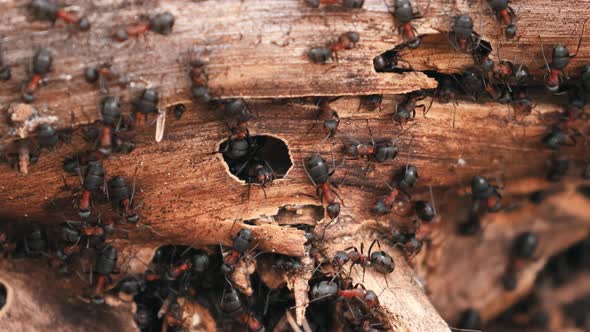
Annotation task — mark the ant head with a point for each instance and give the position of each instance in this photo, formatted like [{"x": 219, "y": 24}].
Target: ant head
[
  {"x": 150, "y": 95},
  {"x": 424, "y": 211},
  {"x": 510, "y": 31},
  {"x": 333, "y": 210},
  {"x": 319, "y": 54},
  {"x": 200, "y": 262},
  {"x": 414, "y": 43}
]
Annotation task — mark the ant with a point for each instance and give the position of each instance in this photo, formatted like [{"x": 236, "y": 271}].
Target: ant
[
  {"x": 5, "y": 71},
  {"x": 482, "y": 190},
  {"x": 380, "y": 260},
  {"x": 160, "y": 23},
  {"x": 146, "y": 103},
  {"x": 380, "y": 151},
  {"x": 46, "y": 10},
  {"x": 406, "y": 109},
  {"x": 122, "y": 198},
  {"x": 42, "y": 62},
  {"x": 343, "y": 3},
  {"x": 103, "y": 74},
  {"x": 497, "y": 93},
  {"x": 241, "y": 242},
  {"x": 505, "y": 15},
  {"x": 346, "y": 41},
  {"x": 330, "y": 117},
  {"x": 462, "y": 37},
  {"x": 325, "y": 289},
  {"x": 93, "y": 180},
  {"x": 560, "y": 57},
  {"x": 199, "y": 79},
  {"x": 236, "y": 114},
  {"x": 371, "y": 102},
  {"x": 387, "y": 62},
  {"x": 523, "y": 250},
  {"x": 106, "y": 261},
  {"x": 110, "y": 116},
  {"x": 319, "y": 173},
  {"x": 404, "y": 179},
  {"x": 404, "y": 13}
]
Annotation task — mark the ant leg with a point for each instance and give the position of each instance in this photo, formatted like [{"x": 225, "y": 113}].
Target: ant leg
[
  {"x": 326, "y": 227},
  {"x": 307, "y": 173},
  {"x": 371, "y": 247},
  {"x": 453, "y": 40},
  {"x": 363, "y": 273}
]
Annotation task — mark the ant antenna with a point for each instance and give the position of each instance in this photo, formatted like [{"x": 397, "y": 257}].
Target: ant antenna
[
  {"x": 543, "y": 52},
  {"x": 580, "y": 40},
  {"x": 432, "y": 199}
]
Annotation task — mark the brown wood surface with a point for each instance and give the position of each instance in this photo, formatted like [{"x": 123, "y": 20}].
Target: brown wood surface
[{"x": 257, "y": 50}]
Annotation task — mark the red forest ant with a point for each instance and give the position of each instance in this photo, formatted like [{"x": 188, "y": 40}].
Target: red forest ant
[
  {"x": 346, "y": 41},
  {"x": 318, "y": 172},
  {"x": 557, "y": 138},
  {"x": 380, "y": 151},
  {"x": 241, "y": 243},
  {"x": 560, "y": 57},
  {"x": 122, "y": 198},
  {"x": 330, "y": 117},
  {"x": 325, "y": 289},
  {"x": 145, "y": 104},
  {"x": 103, "y": 74},
  {"x": 482, "y": 190},
  {"x": 404, "y": 14},
  {"x": 343, "y": 3},
  {"x": 199, "y": 79},
  {"x": 404, "y": 179},
  {"x": 160, "y": 23},
  {"x": 46, "y": 10},
  {"x": 380, "y": 260},
  {"x": 110, "y": 116},
  {"x": 406, "y": 109},
  {"x": 42, "y": 61},
  {"x": 462, "y": 37},
  {"x": 522, "y": 103},
  {"x": 371, "y": 102},
  {"x": 505, "y": 15},
  {"x": 93, "y": 180},
  {"x": 106, "y": 262}
]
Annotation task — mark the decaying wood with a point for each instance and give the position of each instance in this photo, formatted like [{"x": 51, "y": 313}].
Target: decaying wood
[
  {"x": 258, "y": 51},
  {"x": 38, "y": 300}
]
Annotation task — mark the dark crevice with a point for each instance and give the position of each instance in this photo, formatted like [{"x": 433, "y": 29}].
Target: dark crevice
[
  {"x": 246, "y": 157},
  {"x": 3, "y": 295}
]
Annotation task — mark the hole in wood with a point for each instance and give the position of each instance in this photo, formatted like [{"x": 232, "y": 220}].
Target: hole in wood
[
  {"x": 3, "y": 295},
  {"x": 250, "y": 157}
]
